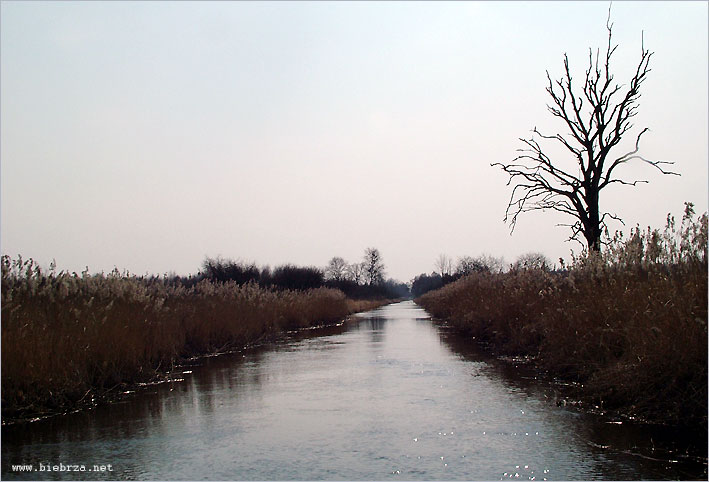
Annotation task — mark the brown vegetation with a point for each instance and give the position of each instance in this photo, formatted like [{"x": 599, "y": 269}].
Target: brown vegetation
[
  {"x": 629, "y": 324},
  {"x": 66, "y": 336}
]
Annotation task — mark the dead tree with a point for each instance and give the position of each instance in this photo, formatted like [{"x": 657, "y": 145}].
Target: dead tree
[{"x": 597, "y": 114}]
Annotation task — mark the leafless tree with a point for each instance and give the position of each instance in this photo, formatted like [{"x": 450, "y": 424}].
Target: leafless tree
[
  {"x": 444, "y": 265},
  {"x": 467, "y": 265},
  {"x": 532, "y": 261},
  {"x": 336, "y": 269},
  {"x": 373, "y": 266},
  {"x": 355, "y": 272},
  {"x": 598, "y": 114},
  {"x": 481, "y": 264},
  {"x": 492, "y": 263}
]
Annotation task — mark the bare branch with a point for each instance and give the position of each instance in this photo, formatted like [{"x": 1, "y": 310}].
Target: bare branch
[
  {"x": 598, "y": 114},
  {"x": 630, "y": 156}
]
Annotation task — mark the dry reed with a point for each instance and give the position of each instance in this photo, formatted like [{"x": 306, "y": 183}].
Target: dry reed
[
  {"x": 66, "y": 337},
  {"x": 629, "y": 324}
]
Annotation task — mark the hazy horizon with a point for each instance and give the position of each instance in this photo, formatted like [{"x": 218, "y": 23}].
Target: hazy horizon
[{"x": 148, "y": 136}]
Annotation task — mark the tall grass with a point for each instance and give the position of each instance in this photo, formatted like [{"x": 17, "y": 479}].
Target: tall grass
[
  {"x": 629, "y": 324},
  {"x": 65, "y": 336}
]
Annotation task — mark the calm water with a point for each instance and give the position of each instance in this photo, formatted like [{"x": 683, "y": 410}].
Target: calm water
[{"x": 389, "y": 396}]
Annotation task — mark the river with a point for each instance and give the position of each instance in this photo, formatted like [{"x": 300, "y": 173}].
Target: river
[{"x": 388, "y": 395}]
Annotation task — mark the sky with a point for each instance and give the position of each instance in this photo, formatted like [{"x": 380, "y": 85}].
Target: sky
[{"x": 147, "y": 136}]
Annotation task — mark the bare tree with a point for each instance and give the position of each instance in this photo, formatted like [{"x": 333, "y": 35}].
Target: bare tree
[
  {"x": 532, "y": 261},
  {"x": 355, "y": 272},
  {"x": 467, "y": 265},
  {"x": 336, "y": 269},
  {"x": 481, "y": 264},
  {"x": 492, "y": 263},
  {"x": 444, "y": 265},
  {"x": 373, "y": 267},
  {"x": 597, "y": 114}
]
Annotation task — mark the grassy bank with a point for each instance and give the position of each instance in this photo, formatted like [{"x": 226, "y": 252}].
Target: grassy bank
[
  {"x": 66, "y": 337},
  {"x": 630, "y": 324}
]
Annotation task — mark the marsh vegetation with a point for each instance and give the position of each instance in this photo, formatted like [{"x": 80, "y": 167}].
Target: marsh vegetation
[
  {"x": 628, "y": 324},
  {"x": 69, "y": 337}
]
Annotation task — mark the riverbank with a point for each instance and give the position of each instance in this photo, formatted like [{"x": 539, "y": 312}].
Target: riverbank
[
  {"x": 634, "y": 341},
  {"x": 71, "y": 340},
  {"x": 628, "y": 326},
  {"x": 385, "y": 392}
]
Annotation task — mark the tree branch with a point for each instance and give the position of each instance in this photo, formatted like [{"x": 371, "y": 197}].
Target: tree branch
[{"x": 598, "y": 117}]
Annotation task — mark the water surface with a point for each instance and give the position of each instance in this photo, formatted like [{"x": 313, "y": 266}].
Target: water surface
[{"x": 387, "y": 396}]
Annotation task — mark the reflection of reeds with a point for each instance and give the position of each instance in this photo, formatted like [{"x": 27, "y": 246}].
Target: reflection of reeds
[
  {"x": 64, "y": 335},
  {"x": 630, "y": 325}
]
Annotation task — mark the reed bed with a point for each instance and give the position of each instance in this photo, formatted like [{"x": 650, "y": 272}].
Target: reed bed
[
  {"x": 67, "y": 337},
  {"x": 628, "y": 324}
]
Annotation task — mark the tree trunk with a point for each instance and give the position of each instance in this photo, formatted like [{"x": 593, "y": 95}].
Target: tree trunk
[{"x": 592, "y": 230}]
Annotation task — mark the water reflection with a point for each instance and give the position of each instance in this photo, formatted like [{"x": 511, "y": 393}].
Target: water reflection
[
  {"x": 387, "y": 396},
  {"x": 657, "y": 452}
]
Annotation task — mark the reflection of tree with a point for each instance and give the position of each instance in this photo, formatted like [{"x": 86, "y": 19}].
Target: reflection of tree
[{"x": 375, "y": 327}]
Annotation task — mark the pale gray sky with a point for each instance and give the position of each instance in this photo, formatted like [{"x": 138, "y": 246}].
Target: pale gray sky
[{"x": 146, "y": 136}]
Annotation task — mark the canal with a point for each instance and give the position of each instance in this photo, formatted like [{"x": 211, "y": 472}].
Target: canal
[{"x": 388, "y": 395}]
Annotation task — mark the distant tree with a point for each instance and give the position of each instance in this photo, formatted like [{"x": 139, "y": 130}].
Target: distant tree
[
  {"x": 444, "y": 265},
  {"x": 480, "y": 264},
  {"x": 265, "y": 276},
  {"x": 424, "y": 283},
  {"x": 465, "y": 266},
  {"x": 373, "y": 267},
  {"x": 532, "y": 261},
  {"x": 219, "y": 269},
  {"x": 597, "y": 114},
  {"x": 336, "y": 269},
  {"x": 355, "y": 272},
  {"x": 491, "y": 263},
  {"x": 293, "y": 277},
  {"x": 396, "y": 289}
]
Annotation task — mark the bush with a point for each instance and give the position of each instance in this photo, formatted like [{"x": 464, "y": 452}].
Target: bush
[
  {"x": 227, "y": 270},
  {"x": 292, "y": 277}
]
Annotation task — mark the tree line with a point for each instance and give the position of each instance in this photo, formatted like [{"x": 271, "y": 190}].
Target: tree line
[
  {"x": 359, "y": 280},
  {"x": 446, "y": 271}
]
